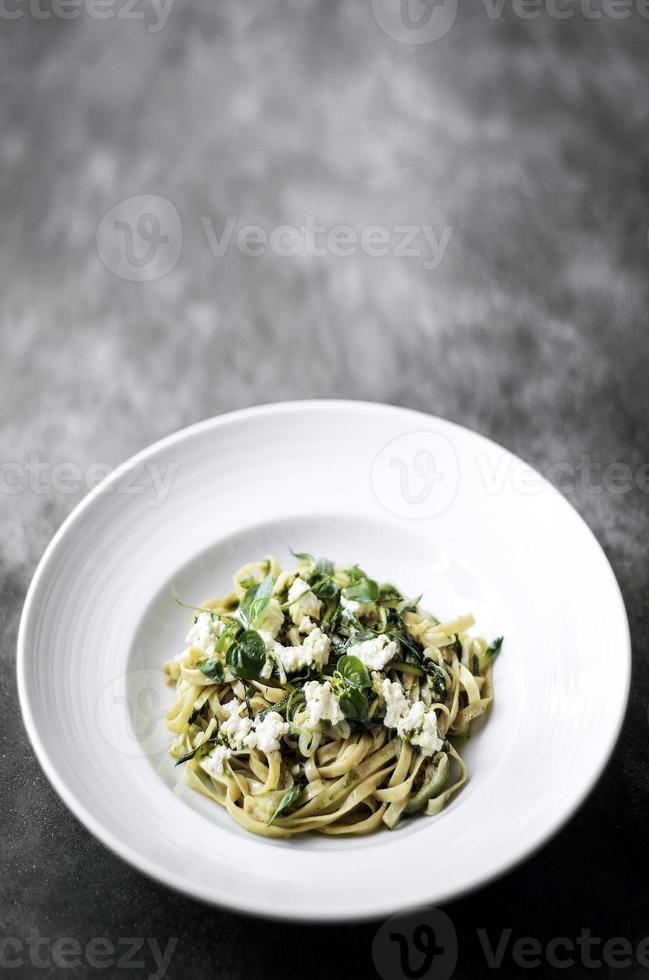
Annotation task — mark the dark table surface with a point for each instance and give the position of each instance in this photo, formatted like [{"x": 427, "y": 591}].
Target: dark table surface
[{"x": 520, "y": 138}]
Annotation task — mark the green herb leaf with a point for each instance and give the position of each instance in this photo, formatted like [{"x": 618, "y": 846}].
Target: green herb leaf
[
  {"x": 389, "y": 593},
  {"x": 354, "y": 703},
  {"x": 247, "y": 656},
  {"x": 475, "y": 665},
  {"x": 323, "y": 586},
  {"x": 364, "y": 590},
  {"x": 303, "y": 556},
  {"x": 323, "y": 567},
  {"x": 290, "y": 797},
  {"x": 494, "y": 648},
  {"x": 256, "y": 600},
  {"x": 199, "y": 751},
  {"x": 354, "y": 672},
  {"x": 232, "y": 628},
  {"x": 213, "y": 669},
  {"x": 437, "y": 676}
]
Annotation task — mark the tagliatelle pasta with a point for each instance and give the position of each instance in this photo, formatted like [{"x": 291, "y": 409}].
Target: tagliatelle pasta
[{"x": 319, "y": 700}]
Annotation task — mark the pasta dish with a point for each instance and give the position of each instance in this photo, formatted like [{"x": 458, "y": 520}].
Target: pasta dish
[{"x": 320, "y": 700}]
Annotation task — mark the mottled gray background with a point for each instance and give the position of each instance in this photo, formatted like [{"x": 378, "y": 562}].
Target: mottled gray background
[{"x": 529, "y": 139}]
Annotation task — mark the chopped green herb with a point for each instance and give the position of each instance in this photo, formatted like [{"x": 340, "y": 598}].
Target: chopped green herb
[
  {"x": 213, "y": 669},
  {"x": 199, "y": 751},
  {"x": 289, "y": 799},
  {"x": 323, "y": 586},
  {"x": 494, "y": 648}
]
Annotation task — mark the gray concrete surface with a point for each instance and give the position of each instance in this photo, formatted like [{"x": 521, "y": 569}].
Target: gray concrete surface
[{"x": 523, "y": 147}]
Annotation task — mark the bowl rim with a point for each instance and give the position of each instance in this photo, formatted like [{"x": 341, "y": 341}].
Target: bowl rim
[{"x": 249, "y": 905}]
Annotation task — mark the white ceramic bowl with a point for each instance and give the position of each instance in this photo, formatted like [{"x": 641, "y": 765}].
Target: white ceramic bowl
[{"x": 414, "y": 499}]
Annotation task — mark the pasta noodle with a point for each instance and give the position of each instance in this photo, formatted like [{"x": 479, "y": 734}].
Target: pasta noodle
[{"x": 318, "y": 700}]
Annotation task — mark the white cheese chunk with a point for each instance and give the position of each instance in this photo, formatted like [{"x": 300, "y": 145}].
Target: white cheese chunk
[
  {"x": 235, "y": 729},
  {"x": 419, "y": 727},
  {"x": 272, "y": 620},
  {"x": 322, "y": 704},
  {"x": 376, "y": 653},
  {"x": 269, "y": 731},
  {"x": 213, "y": 763},
  {"x": 203, "y": 635},
  {"x": 396, "y": 703},
  {"x": 314, "y": 652}
]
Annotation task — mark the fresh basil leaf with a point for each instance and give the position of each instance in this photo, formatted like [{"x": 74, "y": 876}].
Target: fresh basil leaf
[
  {"x": 213, "y": 669},
  {"x": 290, "y": 797},
  {"x": 323, "y": 586},
  {"x": 323, "y": 566},
  {"x": 494, "y": 648},
  {"x": 354, "y": 704},
  {"x": 475, "y": 665},
  {"x": 364, "y": 590},
  {"x": 354, "y": 672},
  {"x": 247, "y": 656},
  {"x": 256, "y": 600}
]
